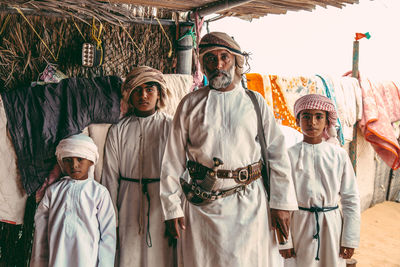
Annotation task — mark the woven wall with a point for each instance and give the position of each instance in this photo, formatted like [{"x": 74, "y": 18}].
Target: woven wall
[{"x": 25, "y": 54}]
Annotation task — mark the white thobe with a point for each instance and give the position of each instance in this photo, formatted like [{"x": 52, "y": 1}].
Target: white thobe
[
  {"x": 323, "y": 176},
  {"x": 75, "y": 225},
  {"x": 292, "y": 136},
  {"x": 134, "y": 149},
  {"x": 232, "y": 231}
]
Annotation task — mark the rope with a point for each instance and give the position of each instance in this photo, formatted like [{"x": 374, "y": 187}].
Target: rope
[
  {"x": 143, "y": 183},
  {"x": 79, "y": 30},
  {"x": 60, "y": 42},
  {"x": 169, "y": 41},
  {"x": 130, "y": 37},
  {"x": 316, "y": 210},
  {"x": 192, "y": 34},
  {"x": 48, "y": 49},
  {"x": 97, "y": 38},
  {"x": 5, "y": 24}
]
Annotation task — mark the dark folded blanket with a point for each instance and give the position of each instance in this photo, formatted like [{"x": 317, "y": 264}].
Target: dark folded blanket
[{"x": 40, "y": 116}]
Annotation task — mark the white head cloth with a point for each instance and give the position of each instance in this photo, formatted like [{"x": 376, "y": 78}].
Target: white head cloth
[{"x": 78, "y": 145}]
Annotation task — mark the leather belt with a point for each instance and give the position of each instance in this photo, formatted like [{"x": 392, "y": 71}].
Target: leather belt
[{"x": 244, "y": 175}]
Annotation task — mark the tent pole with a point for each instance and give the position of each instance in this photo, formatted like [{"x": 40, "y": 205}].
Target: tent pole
[
  {"x": 356, "y": 46},
  {"x": 353, "y": 143},
  {"x": 184, "y": 50}
]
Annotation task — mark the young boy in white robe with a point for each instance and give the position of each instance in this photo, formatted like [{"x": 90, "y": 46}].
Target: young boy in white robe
[
  {"x": 321, "y": 234},
  {"x": 75, "y": 223},
  {"x": 131, "y": 170}
]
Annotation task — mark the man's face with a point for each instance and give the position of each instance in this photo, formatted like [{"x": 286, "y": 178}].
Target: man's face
[
  {"x": 219, "y": 66},
  {"x": 77, "y": 168},
  {"x": 312, "y": 122},
  {"x": 144, "y": 99}
]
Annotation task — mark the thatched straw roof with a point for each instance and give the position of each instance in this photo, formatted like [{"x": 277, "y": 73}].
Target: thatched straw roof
[
  {"x": 84, "y": 10},
  {"x": 124, "y": 11},
  {"x": 241, "y": 8}
]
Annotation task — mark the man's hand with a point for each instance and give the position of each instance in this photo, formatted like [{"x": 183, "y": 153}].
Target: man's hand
[
  {"x": 287, "y": 253},
  {"x": 280, "y": 221},
  {"x": 346, "y": 253}
]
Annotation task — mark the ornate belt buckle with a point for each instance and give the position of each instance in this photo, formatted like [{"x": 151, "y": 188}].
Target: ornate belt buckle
[
  {"x": 243, "y": 173},
  {"x": 197, "y": 191},
  {"x": 205, "y": 195}
]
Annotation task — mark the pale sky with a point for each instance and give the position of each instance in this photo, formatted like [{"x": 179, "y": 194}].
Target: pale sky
[{"x": 321, "y": 41}]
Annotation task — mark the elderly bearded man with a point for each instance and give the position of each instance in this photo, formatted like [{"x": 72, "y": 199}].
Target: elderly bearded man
[{"x": 225, "y": 212}]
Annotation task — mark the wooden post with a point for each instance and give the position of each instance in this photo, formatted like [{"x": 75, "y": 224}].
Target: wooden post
[
  {"x": 353, "y": 143},
  {"x": 184, "y": 50},
  {"x": 356, "y": 46}
]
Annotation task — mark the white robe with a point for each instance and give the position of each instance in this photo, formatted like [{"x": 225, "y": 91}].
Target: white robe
[
  {"x": 232, "y": 231},
  {"x": 74, "y": 226},
  {"x": 134, "y": 149},
  {"x": 323, "y": 176}
]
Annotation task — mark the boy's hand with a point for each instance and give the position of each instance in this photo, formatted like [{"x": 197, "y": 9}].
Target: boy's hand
[
  {"x": 280, "y": 219},
  {"x": 346, "y": 253},
  {"x": 172, "y": 228},
  {"x": 287, "y": 253}
]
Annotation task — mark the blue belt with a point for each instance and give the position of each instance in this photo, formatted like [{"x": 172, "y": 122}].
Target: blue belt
[{"x": 316, "y": 210}]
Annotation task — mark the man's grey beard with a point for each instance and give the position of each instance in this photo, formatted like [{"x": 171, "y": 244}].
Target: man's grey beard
[{"x": 222, "y": 81}]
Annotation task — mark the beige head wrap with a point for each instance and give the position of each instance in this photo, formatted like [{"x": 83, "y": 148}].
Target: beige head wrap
[
  {"x": 220, "y": 40},
  {"x": 78, "y": 145},
  {"x": 141, "y": 75}
]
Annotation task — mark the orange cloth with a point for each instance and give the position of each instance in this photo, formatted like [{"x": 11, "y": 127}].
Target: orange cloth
[
  {"x": 281, "y": 93},
  {"x": 281, "y": 109},
  {"x": 260, "y": 83}
]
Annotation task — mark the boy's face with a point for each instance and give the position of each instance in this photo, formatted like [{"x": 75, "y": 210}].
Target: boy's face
[
  {"x": 77, "y": 168},
  {"x": 144, "y": 99},
  {"x": 312, "y": 122}
]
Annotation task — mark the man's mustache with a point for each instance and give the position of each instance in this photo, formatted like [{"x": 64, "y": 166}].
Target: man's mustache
[{"x": 217, "y": 72}]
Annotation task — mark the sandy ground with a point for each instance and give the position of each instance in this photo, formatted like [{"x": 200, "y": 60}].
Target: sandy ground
[{"x": 380, "y": 236}]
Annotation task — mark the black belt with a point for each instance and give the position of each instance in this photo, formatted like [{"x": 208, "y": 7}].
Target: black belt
[
  {"x": 145, "y": 182},
  {"x": 315, "y": 210}
]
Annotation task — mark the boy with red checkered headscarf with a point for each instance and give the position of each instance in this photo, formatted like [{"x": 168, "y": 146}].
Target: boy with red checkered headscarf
[{"x": 322, "y": 235}]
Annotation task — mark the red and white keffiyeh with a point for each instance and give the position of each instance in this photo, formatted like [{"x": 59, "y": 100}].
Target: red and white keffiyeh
[{"x": 320, "y": 102}]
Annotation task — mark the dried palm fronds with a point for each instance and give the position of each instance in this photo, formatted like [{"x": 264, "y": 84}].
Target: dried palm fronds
[
  {"x": 84, "y": 10},
  {"x": 24, "y": 54}
]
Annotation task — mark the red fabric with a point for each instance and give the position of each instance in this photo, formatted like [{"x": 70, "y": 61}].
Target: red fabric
[
  {"x": 315, "y": 101},
  {"x": 54, "y": 175},
  {"x": 360, "y": 36},
  {"x": 198, "y": 74},
  {"x": 380, "y": 108}
]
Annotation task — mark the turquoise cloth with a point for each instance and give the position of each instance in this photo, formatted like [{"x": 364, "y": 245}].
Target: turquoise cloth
[{"x": 330, "y": 93}]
